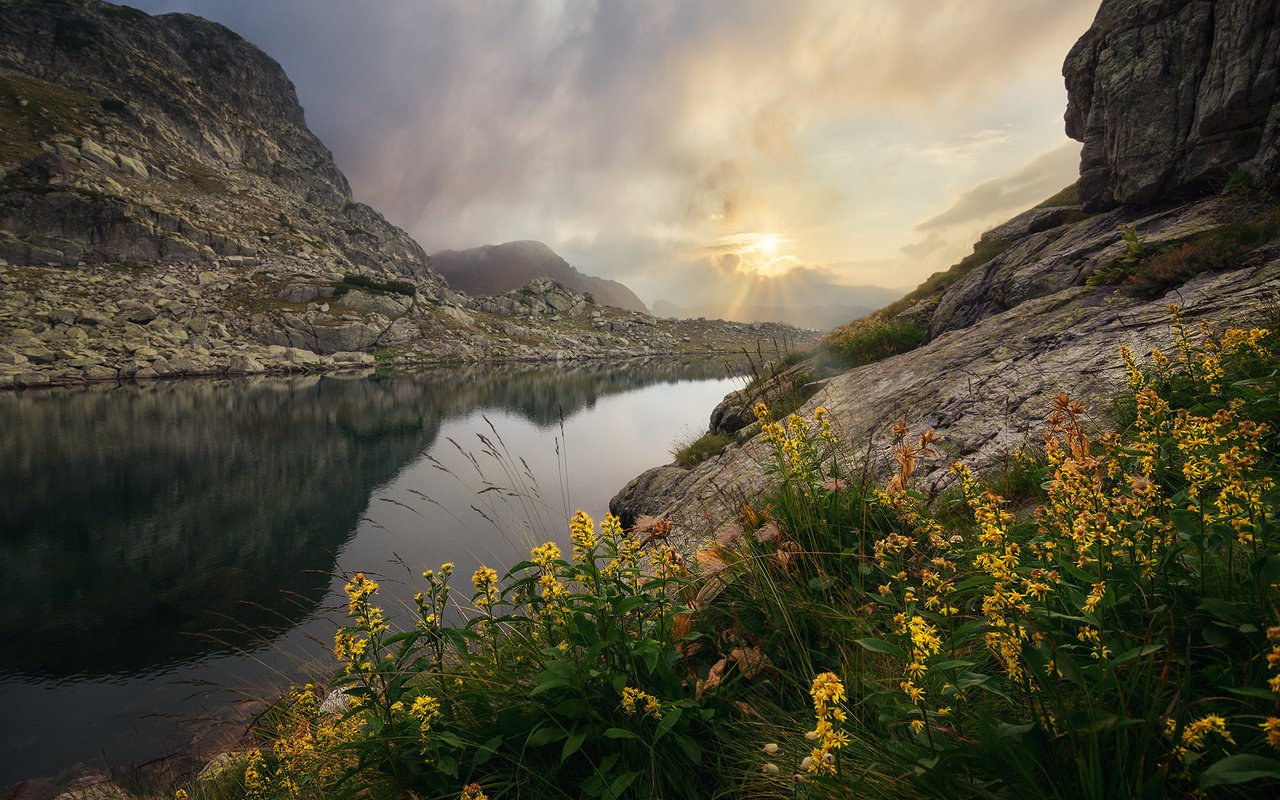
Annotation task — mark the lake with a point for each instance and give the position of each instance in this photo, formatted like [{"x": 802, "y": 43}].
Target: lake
[{"x": 175, "y": 551}]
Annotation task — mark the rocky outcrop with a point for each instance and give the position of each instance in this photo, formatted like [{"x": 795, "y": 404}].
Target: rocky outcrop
[
  {"x": 1170, "y": 96},
  {"x": 1047, "y": 254},
  {"x": 985, "y": 390},
  {"x": 495, "y": 269}
]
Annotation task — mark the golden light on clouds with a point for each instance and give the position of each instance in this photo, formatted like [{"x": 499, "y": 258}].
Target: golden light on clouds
[{"x": 763, "y": 254}]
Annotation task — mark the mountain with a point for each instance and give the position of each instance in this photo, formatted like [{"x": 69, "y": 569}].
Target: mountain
[
  {"x": 818, "y": 317},
  {"x": 133, "y": 138},
  {"x": 1176, "y": 103},
  {"x": 805, "y": 297},
  {"x": 165, "y": 211},
  {"x": 498, "y": 268}
]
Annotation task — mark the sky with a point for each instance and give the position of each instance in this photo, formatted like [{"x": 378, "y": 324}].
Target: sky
[{"x": 698, "y": 150}]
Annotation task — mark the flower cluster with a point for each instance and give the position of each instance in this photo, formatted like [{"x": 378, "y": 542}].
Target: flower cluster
[
  {"x": 582, "y": 532},
  {"x": 636, "y": 701},
  {"x": 827, "y": 693},
  {"x": 485, "y": 580}
]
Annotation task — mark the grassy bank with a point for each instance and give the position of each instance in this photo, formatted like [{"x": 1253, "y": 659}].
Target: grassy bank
[{"x": 1099, "y": 619}]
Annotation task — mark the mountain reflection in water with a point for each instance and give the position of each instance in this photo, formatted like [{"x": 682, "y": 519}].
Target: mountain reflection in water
[{"x": 151, "y": 528}]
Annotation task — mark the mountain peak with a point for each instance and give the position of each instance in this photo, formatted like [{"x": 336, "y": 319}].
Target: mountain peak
[{"x": 497, "y": 268}]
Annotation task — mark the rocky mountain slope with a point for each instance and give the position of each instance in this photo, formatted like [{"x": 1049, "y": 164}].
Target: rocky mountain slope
[
  {"x": 165, "y": 211},
  {"x": 1003, "y": 338},
  {"x": 497, "y": 268}
]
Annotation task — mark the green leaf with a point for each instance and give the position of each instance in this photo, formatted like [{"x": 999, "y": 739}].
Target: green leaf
[
  {"x": 881, "y": 646},
  {"x": 620, "y": 733},
  {"x": 669, "y": 719},
  {"x": 691, "y": 749},
  {"x": 1137, "y": 652},
  {"x": 448, "y": 765},
  {"x": 544, "y": 735},
  {"x": 1239, "y": 769},
  {"x": 1224, "y": 610},
  {"x": 1257, "y": 694},
  {"x": 572, "y": 744},
  {"x": 557, "y": 675},
  {"x": 620, "y": 783}
]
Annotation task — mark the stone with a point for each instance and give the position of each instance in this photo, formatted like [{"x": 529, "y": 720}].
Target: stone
[
  {"x": 244, "y": 364},
  {"x": 141, "y": 315},
  {"x": 98, "y": 373},
  {"x": 1170, "y": 96}
]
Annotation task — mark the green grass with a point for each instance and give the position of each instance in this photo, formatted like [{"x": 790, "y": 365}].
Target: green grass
[
  {"x": 1069, "y": 196},
  {"x": 365, "y": 283},
  {"x": 856, "y": 345},
  {"x": 699, "y": 450}
]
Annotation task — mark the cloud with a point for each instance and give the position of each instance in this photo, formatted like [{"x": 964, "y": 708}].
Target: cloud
[
  {"x": 919, "y": 250},
  {"x": 631, "y": 134},
  {"x": 1036, "y": 180}
]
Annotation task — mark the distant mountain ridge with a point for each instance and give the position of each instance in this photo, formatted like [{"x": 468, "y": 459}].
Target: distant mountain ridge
[
  {"x": 497, "y": 268},
  {"x": 813, "y": 317}
]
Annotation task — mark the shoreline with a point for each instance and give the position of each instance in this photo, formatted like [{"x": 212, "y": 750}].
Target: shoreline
[{"x": 368, "y": 364}]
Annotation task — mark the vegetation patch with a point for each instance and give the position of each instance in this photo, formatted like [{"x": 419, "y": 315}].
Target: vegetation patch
[
  {"x": 699, "y": 450},
  {"x": 365, "y": 283},
  {"x": 1069, "y": 196},
  {"x": 875, "y": 340},
  {"x": 1148, "y": 271}
]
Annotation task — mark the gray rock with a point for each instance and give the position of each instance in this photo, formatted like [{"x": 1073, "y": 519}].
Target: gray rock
[
  {"x": 985, "y": 389},
  {"x": 243, "y": 364},
  {"x": 140, "y": 315},
  {"x": 1169, "y": 96}
]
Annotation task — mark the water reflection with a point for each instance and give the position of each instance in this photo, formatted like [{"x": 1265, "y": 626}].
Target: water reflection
[{"x": 152, "y": 531}]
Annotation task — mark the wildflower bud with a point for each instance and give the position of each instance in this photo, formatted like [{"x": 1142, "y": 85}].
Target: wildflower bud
[
  {"x": 811, "y": 735},
  {"x": 798, "y": 778},
  {"x": 807, "y": 764},
  {"x": 829, "y": 758},
  {"x": 770, "y": 748},
  {"x": 770, "y": 769}
]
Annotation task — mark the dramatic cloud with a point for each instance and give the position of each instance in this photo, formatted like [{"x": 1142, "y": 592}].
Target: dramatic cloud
[
  {"x": 1008, "y": 194},
  {"x": 640, "y": 138}
]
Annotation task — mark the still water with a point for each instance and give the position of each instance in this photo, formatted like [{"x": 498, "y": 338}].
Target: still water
[{"x": 173, "y": 552}]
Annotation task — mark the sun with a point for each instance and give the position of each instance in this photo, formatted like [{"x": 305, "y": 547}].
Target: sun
[{"x": 768, "y": 243}]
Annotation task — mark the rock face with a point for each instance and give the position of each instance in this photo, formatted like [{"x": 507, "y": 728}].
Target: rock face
[
  {"x": 129, "y": 137},
  {"x": 495, "y": 269},
  {"x": 1170, "y": 96}
]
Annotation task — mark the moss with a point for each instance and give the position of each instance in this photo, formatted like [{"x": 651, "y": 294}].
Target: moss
[{"x": 365, "y": 283}]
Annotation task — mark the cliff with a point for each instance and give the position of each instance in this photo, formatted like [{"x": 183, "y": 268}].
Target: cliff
[
  {"x": 498, "y": 268},
  {"x": 165, "y": 211},
  {"x": 1049, "y": 297},
  {"x": 1170, "y": 97}
]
